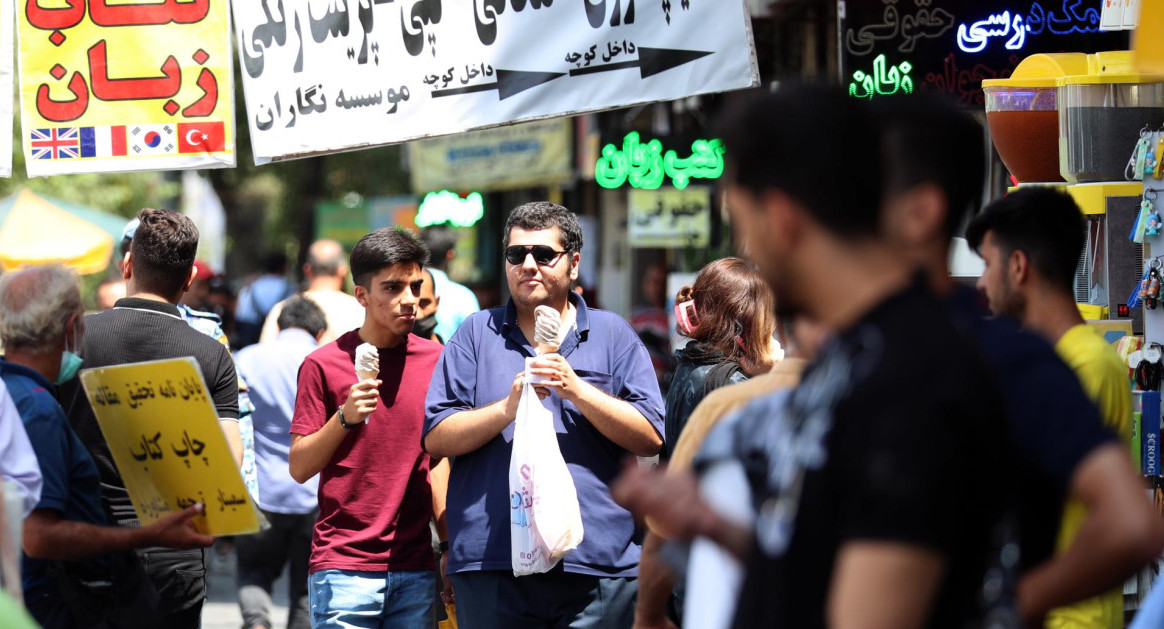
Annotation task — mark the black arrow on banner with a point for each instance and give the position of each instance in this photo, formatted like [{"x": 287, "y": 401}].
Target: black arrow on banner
[
  {"x": 651, "y": 61},
  {"x": 508, "y": 83}
]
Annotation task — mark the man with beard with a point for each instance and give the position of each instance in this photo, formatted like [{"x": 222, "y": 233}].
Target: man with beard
[{"x": 1031, "y": 240}]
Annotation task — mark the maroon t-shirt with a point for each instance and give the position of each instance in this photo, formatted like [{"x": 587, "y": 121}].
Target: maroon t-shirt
[{"x": 375, "y": 502}]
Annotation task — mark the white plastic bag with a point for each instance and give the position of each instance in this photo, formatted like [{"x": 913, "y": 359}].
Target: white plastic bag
[{"x": 545, "y": 522}]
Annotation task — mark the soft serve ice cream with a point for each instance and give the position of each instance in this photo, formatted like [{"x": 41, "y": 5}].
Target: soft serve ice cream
[{"x": 547, "y": 324}]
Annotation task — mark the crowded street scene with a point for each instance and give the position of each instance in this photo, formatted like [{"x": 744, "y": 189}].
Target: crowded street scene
[{"x": 618, "y": 314}]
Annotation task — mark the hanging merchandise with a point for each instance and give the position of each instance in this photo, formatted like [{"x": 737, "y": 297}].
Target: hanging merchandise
[
  {"x": 1150, "y": 370},
  {"x": 1139, "y": 158},
  {"x": 1157, "y": 158},
  {"x": 1148, "y": 206},
  {"x": 1152, "y": 294},
  {"x": 1139, "y": 292}
]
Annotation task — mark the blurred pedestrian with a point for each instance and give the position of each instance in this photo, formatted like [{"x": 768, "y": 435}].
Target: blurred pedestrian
[
  {"x": 257, "y": 299},
  {"x": 935, "y": 168},
  {"x": 606, "y": 407},
  {"x": 324, "y": 272},
  {"x": 730, "y": 318},
  {"x": 650, "y": 321},
  {"x": 144, "y": 326},
  {"x": 270, "y": 369},
  {"x": 198, "y": 297},
  {"x": 427, "y": 308},
  {"x": 17, "y": 458},
  {"x": 1031, "y": 241},
  {"x": 459, "y": 301},
  {"x": 882, "y": 477},
  {"x": 371, "y": 558},
  {"x": 73, "y": 556},
  {"x": 802, "y": 339},
  {"x": 108, "y": 292}
]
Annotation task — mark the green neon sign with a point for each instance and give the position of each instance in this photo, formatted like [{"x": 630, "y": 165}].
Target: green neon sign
[
  {"x": 646, "y": 166},
  {"x": 882, "y": 80},
  {"x": 447, "y": 206}
]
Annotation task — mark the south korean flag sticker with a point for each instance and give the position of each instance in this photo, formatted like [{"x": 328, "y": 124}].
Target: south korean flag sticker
[{"x": 152, "y": 140}]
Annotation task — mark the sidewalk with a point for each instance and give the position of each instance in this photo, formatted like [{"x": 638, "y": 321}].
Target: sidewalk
[{"x": 221, "y": 608}]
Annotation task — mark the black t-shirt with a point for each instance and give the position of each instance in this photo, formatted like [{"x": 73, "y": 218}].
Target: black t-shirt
[
  {"x": 1054, "y": 425},
  {"x": 897, "y": 433},
  {"x": 138, "y": 330}
]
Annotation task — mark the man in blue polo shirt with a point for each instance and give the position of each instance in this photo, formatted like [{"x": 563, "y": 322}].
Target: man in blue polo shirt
[{"x": 606, "y": 406}]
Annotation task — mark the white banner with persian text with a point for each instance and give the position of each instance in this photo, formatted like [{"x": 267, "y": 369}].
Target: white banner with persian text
[{"x": 324, "y": 76}]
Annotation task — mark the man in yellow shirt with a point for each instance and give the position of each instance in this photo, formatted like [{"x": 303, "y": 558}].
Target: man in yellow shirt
[{"x": 1031, "y": 240}]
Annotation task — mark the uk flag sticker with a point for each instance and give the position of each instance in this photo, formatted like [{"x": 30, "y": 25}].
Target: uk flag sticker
[{"x": 55, "y": 143}]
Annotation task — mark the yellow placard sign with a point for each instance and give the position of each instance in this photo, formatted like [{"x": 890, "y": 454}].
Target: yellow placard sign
[{"x": 162, "y": 429}]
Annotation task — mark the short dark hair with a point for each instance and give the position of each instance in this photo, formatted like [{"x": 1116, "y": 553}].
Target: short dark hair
[
  {"x": 1043, "y": 223},
  {"x": 440, "y": 240},
  {"x": 544, "y": 215},
  {"x": 163, "y": 251},
  {"x": 929, "y": 139},
  {"x": 300, "y": 312},
  {"x": 788, "y": 139},
  {"x": 385, "y": 247},
  {"x": 275, "y": 263}
]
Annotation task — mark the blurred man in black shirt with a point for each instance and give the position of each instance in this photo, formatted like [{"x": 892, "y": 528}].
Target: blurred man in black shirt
[{"x": 880, "y": 484}]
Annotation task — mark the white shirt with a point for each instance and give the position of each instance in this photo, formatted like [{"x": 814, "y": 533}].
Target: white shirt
[
  {"x": 344, "y": 314},
  {"x": 17, "y": 459}
]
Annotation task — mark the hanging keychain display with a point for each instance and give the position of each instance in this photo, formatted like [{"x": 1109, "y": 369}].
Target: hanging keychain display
[
  {"x": 1152, "y": 292},
  {"x": 1148, "y": 207},
  {"x": 1139, "y": 158},
  {"x": 1157, "y": 158},
  {"x": 1136, "y": 299}
]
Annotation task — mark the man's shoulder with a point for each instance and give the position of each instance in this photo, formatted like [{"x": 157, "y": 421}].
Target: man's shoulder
[{"x": 608, "y": 322}]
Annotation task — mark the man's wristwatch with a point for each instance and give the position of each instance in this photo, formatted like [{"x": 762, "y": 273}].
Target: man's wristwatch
[
  {"x": 443, "y": 546},
  {"x": 340, "y": 412}
]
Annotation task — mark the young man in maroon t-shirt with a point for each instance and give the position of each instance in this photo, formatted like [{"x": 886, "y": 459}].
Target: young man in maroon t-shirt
[{"x": 371, "y": 557}]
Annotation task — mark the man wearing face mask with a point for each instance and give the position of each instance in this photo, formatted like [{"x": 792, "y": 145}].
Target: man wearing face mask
[
  {"x": 427, "y": 306},
  {"x": 72, "y": 553}
]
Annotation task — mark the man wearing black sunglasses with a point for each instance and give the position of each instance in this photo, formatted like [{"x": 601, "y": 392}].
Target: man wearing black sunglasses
[{"x": 602, "y": 391}]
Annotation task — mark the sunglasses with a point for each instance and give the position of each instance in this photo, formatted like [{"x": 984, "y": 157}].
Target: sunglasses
[{"x": 542, "y": 254}]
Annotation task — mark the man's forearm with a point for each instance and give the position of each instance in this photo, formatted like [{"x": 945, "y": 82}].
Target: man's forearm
[
  {"x": 438, "y": 478},
  {"x": 311, "y": 453},
  {"x": 233, "y": 439},
  {"x": 466, "y": 431},
  {"x": 68, "y": 540},
  {"x": 655, "y": 584},
  {"x": 1119, "y": 535},
  {"x": 619, "y": 421}
]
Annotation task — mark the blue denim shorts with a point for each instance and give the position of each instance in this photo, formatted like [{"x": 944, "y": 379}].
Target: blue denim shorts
[{"x": 372, "y": 600}]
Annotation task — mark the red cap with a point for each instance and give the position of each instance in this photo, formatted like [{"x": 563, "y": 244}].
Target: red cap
[{"x": 204, "y": 270}]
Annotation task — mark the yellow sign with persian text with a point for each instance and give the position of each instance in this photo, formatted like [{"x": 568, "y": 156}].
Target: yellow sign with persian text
[
  {"x": 120, "y": 86},
  {"x": 162, "y": 429}
]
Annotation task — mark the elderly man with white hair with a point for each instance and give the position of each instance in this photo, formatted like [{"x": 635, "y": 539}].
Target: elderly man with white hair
[{"x": 76, "y": 571}]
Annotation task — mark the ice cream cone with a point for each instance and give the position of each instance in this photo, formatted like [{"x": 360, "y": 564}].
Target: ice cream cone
[
  {"x": 546, "y": 348},
  {"x": 365, "y": 375}
]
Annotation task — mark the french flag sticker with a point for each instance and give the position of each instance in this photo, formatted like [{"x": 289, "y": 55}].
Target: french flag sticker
[{"x": 102, "y": 141}]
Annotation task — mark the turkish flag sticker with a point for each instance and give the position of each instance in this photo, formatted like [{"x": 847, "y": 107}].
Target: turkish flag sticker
[{"x": 201, "y": 137}]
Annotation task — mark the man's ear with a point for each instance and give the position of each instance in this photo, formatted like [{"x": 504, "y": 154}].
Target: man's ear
[
  {"x": 361, "y": 294},
  {"x": 784, "y": 226},
  {"x": 190, "y": 280},
  {"x": 1018, "y": 268},
  {"x": 127, "y": 266},
  {"x": 574, "y": 259}
]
